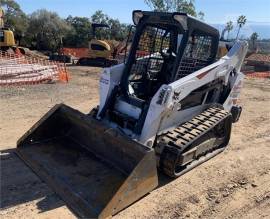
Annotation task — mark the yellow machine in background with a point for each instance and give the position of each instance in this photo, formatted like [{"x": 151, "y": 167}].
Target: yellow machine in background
[
  {"x": 101, "y": 52},
  {"x": 99, "y": 49},
  {"x": 7, "y": 39},
  {"x": 6, "y": 35},
  {"x": 1, "y": 18}
]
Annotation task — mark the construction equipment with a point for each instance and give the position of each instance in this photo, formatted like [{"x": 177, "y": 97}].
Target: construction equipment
[
  {"x": 6, "y": 35},
  {"x": 101, "y": 52},
  {"x": 7, "y": 40},
  {"x": 170, "y": 105}
]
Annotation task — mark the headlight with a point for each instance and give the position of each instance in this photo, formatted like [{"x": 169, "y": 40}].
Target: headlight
[{"x": 136, "y": 16}]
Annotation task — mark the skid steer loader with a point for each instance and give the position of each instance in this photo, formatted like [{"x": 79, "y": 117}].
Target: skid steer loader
[{"x": 169, "y": 107}]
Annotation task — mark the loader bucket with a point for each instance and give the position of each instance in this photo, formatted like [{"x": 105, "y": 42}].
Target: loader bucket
[{"x": 96, "y": 170}]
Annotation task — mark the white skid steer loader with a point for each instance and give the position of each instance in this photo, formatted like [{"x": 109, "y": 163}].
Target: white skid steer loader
[{"x": 169, "y": 107}]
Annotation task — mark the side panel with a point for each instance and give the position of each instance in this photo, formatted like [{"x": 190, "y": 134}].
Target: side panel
[
  {"x": 158, "y": 117},
  {"x": 8, "y": 37},
  {"x": 109, "y": 78},
  {"x": 235, "y": 92}
]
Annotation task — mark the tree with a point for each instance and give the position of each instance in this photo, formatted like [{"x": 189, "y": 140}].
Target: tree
[
  {"x": 160, "y": 5},
  {"x": 229, "y": 28},
  {"x": 14, "y": 18},
  {"x": 101, "y": 18},
  {"x": 79, "y": 33},
  {"x": 253, "y": 38},
  {"x": 201, "y": 15},
  {"x": 186, "y": 6},
  {"x": 241, "y": 21},
  {"x": 12, "y": 10},
  {"x": 116, "y": 30},
  {"x": 46, "y": 30}
]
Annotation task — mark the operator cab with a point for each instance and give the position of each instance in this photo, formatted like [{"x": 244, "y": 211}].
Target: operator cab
[
  {"x": 154, "y": 60},
  {"x": 165, "y": 47}
]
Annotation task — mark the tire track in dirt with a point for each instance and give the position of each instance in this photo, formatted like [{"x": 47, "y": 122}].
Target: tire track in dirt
[{"x": 235, "y": 184}]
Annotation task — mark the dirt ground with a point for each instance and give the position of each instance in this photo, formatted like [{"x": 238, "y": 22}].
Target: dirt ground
[{"x": 234, "y": 184}]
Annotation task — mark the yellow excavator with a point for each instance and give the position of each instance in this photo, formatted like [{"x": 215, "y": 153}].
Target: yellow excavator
[
  {"x": 6, "y": 35},
  {"x": 101, "y": 52},
  {"x": 7, "y": 39}
]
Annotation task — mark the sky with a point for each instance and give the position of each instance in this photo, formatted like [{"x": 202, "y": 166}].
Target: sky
[{"x": 216, "y": 11}]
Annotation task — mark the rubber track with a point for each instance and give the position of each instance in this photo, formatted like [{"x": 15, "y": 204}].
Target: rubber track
[{"x": 175, "y": 142}]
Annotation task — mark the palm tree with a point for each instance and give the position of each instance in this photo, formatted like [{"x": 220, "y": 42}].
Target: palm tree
[
  {"x": 253, "y": 39},
  {"x": 200, "y": 15},
  {"x": 241, "y": 22},
  {"x": 229, "y": 27}
]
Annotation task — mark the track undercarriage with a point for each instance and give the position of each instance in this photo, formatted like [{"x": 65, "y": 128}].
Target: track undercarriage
[
  {"x": 98, "y": 62},
  {"x": 194, "y": 142}
]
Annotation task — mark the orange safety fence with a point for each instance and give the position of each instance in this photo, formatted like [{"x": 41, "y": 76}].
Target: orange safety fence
[
  {"x": 16, "y": 69},
  {"x": 76, "y": 52},
  {"x": 265, "y": 74}
]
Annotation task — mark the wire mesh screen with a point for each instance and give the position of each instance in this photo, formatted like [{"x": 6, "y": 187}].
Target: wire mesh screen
[
  {"x": 148, "y": 53},
  {"x": 196, "y": 56}
]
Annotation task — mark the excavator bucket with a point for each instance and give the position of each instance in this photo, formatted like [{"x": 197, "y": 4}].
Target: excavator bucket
[{"x": 96, "y": 170}]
